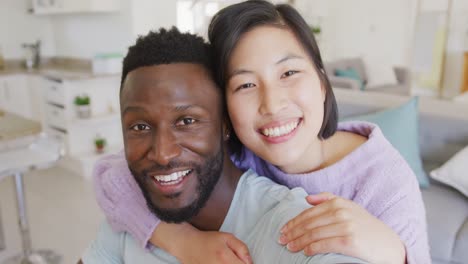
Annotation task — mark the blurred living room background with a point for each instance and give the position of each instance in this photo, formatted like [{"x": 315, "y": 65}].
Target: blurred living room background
[{"x": 60, "y": 63}]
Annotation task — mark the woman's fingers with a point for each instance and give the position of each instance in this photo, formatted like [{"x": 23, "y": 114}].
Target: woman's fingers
[
  {"x": 330, "y": 205},
  {"x": 322, "y": 232},
  {"x": 328, "y": 217},
  {"x": 239, "y": 249},
  {"x": 345, "y": 245},
  {"x": 316, "y": 199}
]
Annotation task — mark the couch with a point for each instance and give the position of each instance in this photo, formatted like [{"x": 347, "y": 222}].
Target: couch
[
  {"x": 402, "y": 75},
  {"x": 443, "y": 130}
]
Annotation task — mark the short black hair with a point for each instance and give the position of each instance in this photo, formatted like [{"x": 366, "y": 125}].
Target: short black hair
[
  {"x": 228, "y": 26},
  {"x": 166, "y": 47}
]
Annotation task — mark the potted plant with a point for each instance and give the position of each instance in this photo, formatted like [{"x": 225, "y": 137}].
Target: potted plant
[
  {"x": 100, "y": 144},
  {"x": 316, "y": 30},
  {"x": 83, "y": 107}
]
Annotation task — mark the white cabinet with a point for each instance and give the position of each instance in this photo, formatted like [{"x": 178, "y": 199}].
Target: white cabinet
[
  {"x": 78, "y": 134},
  {"x": 46, "y": 7},
  {"x": 17, "y": 96},
  {"x": 60, "y": 113}
]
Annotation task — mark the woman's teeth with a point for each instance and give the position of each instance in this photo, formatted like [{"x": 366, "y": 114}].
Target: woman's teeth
[
  {"x": 281, "y": 130},
  {"x": 172, "y": 178}
]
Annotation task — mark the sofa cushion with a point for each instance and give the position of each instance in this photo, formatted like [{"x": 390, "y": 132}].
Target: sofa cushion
[
  {"x": 447, "y": 222},
  {"x": 379, "y": 73},
  {"x": 354, "y": 63},
  {"x": 400, "y": 127},
  {"x": 454, "y": 172},
  {"x": 350, "y": 73}
]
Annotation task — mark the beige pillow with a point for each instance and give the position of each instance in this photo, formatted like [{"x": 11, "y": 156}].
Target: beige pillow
[
  {"x": 379, "y": 72},
  {"x": 454, "y": 172}
]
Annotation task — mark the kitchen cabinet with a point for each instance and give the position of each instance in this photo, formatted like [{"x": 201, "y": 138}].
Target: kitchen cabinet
[
  {"x": 62, "y": 120},
  {"x": 48, "y": 7},
  {"x": 18, "y": 97}
]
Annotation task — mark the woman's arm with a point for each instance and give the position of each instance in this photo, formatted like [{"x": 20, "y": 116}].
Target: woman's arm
[
  {"x": 121, "y": 199},
  {"x": 341, "y": 226},
  {"x": 190, "y": 245},
  {"x": 397, "y": 204}
]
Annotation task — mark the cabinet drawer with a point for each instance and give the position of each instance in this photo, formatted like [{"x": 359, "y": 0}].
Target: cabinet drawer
[
  {"x": 59, "y": 134},
  {"x": 55, "y": 116},
  {"x": 55, "y": 92}
]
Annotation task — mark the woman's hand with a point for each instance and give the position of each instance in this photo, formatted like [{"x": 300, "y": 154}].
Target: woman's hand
[
  {"x": 341, "y": 226},
  {"x": 190, "y": 245}
]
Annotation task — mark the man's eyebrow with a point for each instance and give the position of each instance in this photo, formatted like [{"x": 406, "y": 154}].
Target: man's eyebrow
[
  {"x": 133, "y": 109},
  {"x": 181, "y": 108}
]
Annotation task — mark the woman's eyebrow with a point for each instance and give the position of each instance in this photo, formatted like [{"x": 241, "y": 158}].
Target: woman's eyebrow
[
  {"x": 238, "y": 72},
  {"x": 289, "y": 57}
]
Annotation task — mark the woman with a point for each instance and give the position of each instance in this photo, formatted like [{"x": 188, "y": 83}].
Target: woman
[{"x": 367, "y": 202}]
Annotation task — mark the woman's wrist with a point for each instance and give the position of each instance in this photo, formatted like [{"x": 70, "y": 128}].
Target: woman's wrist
[{"x": 177, "y": 234}]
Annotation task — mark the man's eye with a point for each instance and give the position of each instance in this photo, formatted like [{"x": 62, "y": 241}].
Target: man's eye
[
  {"x": 185, "y": 121},
  {"x": 140, "y": 127},
  {"x": 288, "y": 73},
  {"x": 245, "y": 86}
]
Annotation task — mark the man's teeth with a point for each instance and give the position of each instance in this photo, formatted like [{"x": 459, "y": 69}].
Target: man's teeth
[
  {"x": 280, "y": 131},
  {"x": 171, "y": 178}
]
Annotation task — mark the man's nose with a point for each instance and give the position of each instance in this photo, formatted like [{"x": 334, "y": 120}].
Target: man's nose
[{"x": 165, "y": 147}]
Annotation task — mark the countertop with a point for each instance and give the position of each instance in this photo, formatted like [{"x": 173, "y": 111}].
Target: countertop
[
  {"x": 14, "y": 126},
  {"x": 56, "y": 68}
]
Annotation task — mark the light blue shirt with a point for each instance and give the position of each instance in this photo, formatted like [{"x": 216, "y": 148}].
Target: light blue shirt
[{"x": 258, "y": 210}]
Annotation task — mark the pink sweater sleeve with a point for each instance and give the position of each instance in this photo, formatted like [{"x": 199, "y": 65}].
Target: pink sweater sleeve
[
  {"x": 121, "y": 199},
  {"x": 405, "y": 214}
]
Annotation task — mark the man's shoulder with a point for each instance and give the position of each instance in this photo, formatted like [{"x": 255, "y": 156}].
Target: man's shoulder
[
  {"x": 112, "y": 247},
  {"x": 263, "y": 186},
  {"x": 106, "y": 248}
]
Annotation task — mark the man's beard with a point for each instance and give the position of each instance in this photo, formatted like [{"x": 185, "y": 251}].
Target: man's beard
[{"x": 208, "y": 175}]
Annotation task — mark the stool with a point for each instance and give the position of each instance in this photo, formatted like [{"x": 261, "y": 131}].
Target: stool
[
  {"x": 2, "y": 237},
  {"x": 43, "y": 153}
]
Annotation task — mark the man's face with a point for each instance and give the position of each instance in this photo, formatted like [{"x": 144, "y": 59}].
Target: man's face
[{"x": 172, "y": 127}]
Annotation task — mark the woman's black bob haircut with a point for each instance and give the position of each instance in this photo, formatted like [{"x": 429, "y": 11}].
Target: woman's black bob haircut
[{"x": 228, "y": 26}]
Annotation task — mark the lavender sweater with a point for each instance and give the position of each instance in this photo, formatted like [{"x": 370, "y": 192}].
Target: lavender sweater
[{"x": 374, "y": 176}]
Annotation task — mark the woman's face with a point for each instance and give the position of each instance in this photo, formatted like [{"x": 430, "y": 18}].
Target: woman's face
[{"x": 274, "y": 98}]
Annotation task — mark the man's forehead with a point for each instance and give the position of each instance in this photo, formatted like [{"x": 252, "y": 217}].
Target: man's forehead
[
  {"x": 174, "y": 73},
  {"x": 181, "y": 83}
]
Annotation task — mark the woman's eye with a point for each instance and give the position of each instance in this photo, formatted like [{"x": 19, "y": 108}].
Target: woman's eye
[
  {"x": 245, "y": 86},
  {"x": 288, "y": 73},
  {"x": 185, "y": 121},
  {"x": 140, "y": 127}
]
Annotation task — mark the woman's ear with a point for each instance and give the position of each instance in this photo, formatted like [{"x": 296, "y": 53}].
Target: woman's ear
[
  {"x": 227, "y": 128},
  {"x": 324, "y": 93},
  {"x": 322, "y": 86}
]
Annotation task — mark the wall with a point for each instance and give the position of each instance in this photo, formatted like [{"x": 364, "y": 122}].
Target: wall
[
  {"x": 152, "y": 14},
  {"x": 85, "y": 35},
  {"x": 380, "y": 32},
  {"x": 17, "y": 26}
]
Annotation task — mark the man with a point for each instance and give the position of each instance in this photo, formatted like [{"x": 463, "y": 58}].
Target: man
[{"x": 173, "y": 122}]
